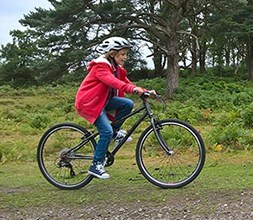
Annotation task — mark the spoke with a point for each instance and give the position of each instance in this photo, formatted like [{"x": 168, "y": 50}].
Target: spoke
[
  {"x": 59, "y": 164},
  {"x": 174, "y": 170}
]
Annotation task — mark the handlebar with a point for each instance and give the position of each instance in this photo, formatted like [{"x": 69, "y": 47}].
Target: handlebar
[{"x": 147, "y": 94}]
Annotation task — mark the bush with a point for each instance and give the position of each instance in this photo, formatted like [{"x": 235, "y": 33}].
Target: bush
[
  {"x": 229, "y": 136},
  {"x": 247, "y": 116},
  {"x": 40, "y": 121},
  {"x": 140, "y": 74},
  {"x": 220, "y": 107}
]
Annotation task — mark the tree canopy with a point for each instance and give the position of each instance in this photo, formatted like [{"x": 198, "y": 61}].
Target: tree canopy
[{"x": 189, "y": 34}]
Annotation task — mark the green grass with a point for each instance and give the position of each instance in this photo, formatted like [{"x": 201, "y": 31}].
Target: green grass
[
  {"x": 22, "y": 185},
  {"x": 219, "y": 108}
]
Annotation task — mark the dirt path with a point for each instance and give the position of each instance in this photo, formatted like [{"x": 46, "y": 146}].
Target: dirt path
[{"x": 212, "y": 206}]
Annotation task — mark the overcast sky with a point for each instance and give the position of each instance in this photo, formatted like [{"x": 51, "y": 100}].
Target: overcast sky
[{"x": 11, "y": 11}]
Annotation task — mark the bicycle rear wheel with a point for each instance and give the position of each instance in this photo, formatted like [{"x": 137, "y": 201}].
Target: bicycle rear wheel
[
  {"x": 178, "y": 169},
  {"x": 61, "y": 166}
]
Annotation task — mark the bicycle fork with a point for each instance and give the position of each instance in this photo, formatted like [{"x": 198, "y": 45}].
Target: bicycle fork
[{"x": 162, "y": 142}]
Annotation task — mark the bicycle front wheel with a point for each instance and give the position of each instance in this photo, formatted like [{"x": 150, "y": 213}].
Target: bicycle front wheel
[
  {"x": 182, "y": 166},
  {"x": 64, "y": 155}
]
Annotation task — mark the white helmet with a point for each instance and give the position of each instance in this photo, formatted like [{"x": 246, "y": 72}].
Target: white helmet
[{"x": 113, "y": 43}]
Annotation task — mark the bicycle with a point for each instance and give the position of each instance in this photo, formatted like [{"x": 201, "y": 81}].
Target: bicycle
[{"x": 170, "y": 153}]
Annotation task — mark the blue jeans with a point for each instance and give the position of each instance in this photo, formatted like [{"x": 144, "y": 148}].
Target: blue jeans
[{"x": 123, "y": 106}]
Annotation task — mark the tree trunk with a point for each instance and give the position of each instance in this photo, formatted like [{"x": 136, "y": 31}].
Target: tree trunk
[
  {"x": 227, "y": 56},
  {"x": 194, "y": 57},
  {"x": 158, "y": 62},
  {"x": 202, "y": 57},
  {"x": 172, "y": 49},
  {"x": 250, "y": 58},
  {"x": 172, "y": 75},
  {"x": 172, "y": 65}
]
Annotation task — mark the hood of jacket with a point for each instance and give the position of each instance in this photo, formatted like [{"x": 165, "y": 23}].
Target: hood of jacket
[{"x": 100, "y": 59}]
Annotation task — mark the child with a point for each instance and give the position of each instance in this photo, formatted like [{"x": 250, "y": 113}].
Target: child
[{"x": 100, "y": 97}]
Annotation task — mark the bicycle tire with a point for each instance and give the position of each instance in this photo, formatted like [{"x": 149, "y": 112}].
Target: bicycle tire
[
  {"x": 180, "y": 168},
  {"x": 55, "y": 163}
]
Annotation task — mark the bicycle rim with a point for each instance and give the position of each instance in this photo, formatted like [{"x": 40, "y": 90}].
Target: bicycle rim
[
  {"x": 64, "y": 169},
  {"x": 178, "y": 169}
]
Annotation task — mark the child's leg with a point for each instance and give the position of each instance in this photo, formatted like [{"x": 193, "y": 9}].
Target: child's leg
[
  {"x": 123, "y": 105},
  {"x": 105, "y": 130}
]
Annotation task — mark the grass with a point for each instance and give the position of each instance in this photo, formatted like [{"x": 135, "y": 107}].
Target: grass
[
  {"x": 22, "y": 185},
  {"x": 227, "y": 174},
  {"x": 222, "y": 113}
]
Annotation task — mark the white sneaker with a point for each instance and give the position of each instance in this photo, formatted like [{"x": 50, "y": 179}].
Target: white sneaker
[
  {"x": 97, "y": 169},
  {"x": 119, "y": 136}
]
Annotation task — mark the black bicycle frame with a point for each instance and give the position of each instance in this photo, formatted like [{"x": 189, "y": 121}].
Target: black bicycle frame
[
  {"x": 91, "y": 134},
  {"x": 149, "y": 113},
  {"x": 146, "y": 113},
  {"x": 136, "y": 124}
]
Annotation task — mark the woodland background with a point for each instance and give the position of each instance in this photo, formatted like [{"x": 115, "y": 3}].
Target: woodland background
[
  {"x": 189, "y": 35},
  {"x": 202, "y": 53}
]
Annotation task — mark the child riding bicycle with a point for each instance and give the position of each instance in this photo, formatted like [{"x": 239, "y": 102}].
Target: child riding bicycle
[{"x": 100, "y": 97}]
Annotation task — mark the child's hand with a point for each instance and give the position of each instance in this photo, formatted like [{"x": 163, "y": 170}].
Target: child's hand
[
  {"x": 152, "y": 92},
  {"x": 138, "y": 90}
]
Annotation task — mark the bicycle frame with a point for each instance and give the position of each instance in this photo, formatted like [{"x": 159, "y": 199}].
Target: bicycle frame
[
  {"x": 147, "y": 112},
  {"x": 136, "y": 124},
  {"x": 66, "y": 149}
]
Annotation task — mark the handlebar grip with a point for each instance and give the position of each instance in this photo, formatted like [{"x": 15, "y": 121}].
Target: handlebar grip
[
  {"x": 147, "y": 94},
  {"x": 144, "y": 95}
]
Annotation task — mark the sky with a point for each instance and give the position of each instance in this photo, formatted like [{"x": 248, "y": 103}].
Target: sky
[{"x": 11, "y": 11}]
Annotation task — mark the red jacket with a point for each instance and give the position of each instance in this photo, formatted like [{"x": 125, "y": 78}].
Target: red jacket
[{"x": 93, "y": 92}]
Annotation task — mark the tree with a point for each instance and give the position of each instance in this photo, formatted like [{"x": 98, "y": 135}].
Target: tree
[
  {"x": 18, "y": 59},
  {"x": 248, "y": 19},
  {"x": 60, "y": 40},
  {"x": 65, "y": 33},
  {"x": 197, "y": 18},
  {"x": 231, "y": 37},
  {"x": 160, "y": 19}
]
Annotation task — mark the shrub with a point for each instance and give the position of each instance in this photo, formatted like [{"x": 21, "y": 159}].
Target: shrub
[
  {"x": 40, "y": 121},
  {"x": 229, "y": 136},
  {"x": 247, "y": 116}
]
